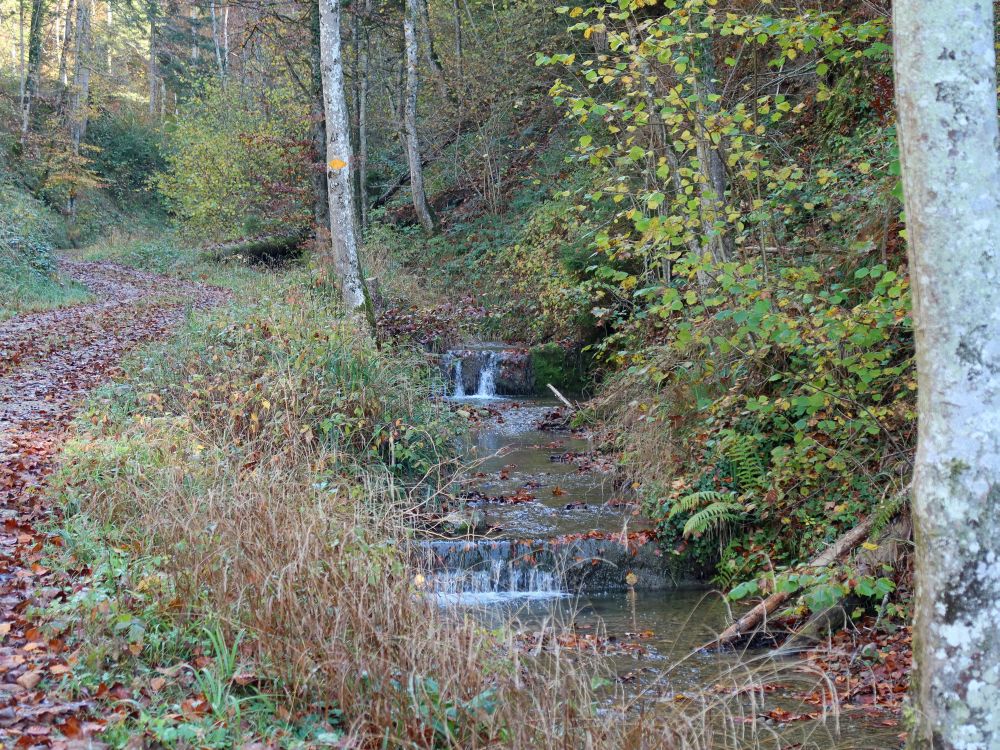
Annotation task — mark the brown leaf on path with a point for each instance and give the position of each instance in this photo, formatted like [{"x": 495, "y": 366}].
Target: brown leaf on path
[{"x": 29, "y": 680}]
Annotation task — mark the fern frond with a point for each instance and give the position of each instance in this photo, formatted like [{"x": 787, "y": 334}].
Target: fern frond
[
  {"x": 695, "y": 500},
  {"x": 886, "y": 510},
  {"x": 712, "y": 517},
  {"x": 743, "y": 453}
]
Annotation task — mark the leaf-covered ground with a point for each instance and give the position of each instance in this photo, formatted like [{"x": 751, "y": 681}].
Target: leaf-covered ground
[{"x": 48, "y": 362}]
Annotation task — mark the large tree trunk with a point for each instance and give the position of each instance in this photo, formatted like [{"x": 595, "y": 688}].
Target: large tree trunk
[
  {"x": 947, "y": 105},
  {"x": 424, "y": 213},
  {"x": 34, "y": 70},
  {"x": 343, "y": 226},
  {"x": 321, "y": 204}
]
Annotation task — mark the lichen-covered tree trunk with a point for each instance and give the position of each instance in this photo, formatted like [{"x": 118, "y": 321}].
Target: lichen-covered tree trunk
[
  {"x": 424, "y": 213},
  {"x": 344, "y": 258},
  {"x": 947, "y": 115}
]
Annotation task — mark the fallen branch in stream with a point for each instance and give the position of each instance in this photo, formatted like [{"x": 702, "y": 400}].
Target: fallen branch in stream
[
  {"x": 756, "y": 618},
  {"x": 562, "y": 398}
]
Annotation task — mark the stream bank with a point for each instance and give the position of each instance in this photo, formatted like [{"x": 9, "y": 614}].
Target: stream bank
[{"x": 565, "y": 556}]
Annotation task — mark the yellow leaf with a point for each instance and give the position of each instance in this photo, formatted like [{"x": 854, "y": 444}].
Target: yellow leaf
[
  {"x": 336, "y": 163},
  {"x": 869, "y": 546}
]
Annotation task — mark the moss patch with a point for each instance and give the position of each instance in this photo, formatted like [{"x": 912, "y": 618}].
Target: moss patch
[{"x": 566, "y": 369}]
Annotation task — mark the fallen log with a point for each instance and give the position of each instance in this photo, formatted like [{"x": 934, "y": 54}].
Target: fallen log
[
  {"x": 260, "y": 248},
  {"x": 757, "y": 616},
  {"x": 562, "y": 398}
]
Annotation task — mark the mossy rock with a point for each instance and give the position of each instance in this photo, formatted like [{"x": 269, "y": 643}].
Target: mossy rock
[{"x": 568, "y": 369}]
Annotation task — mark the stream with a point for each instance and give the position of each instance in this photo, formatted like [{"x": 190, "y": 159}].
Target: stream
[{"x": 565, "y": 554}]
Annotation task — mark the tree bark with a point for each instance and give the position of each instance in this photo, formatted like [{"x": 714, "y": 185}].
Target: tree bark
[
  {"x": 78, "y": 114},
  {"x": 711, "y": 164},
  {"x": 220, "y": 63},
  {"x": 152, "y": 70},
  {"x": 34, "y": 70},
  {"x": 947, "y": 120},
  {"x": 422, "y": 20},
  {"x": 363, "y": 86},
  {"x": 321, "y": 201},
  {"x": 425, "y": 215},
  {"x": 64, "y": 53},
  {"x": 81, "y": 76},
  {"x": 344, "y": 258}
]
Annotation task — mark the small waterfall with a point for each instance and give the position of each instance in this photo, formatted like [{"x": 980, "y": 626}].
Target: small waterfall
[
  {"x": 488, "y": 376},
  {"x": 487, "y": 572},
  {"x": 459, "y": 391}
]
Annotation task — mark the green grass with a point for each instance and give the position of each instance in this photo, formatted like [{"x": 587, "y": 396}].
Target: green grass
[{"x": 23, "y": 290}]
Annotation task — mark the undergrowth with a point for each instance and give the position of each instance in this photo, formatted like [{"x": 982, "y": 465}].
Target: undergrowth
[{"x": 237, "y": 500}]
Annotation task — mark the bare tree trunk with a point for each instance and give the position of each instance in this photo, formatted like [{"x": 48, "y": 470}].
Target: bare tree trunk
[
  {"x": 34, "y": 70},
  {"x": 64, "y": 53},
  {"x": 344, "y": 259},
  {"x": 711, "y": 164},
  {"x": 81, "y": 76},
  {"x": 424, "y": 213},
  {"x": 22, "y": 59},
  {"x": 218, "y": 45},
  {"x": 459, "y": 72},
  {"x": 947, "y": 114},
  {"x": 152, "y": 71},
  {"x": 363, "y": 85},
  {"x": 81, "y": 89},
  {"x": 422, "y": 21},
  {"x": 109, "y": 20},
  {"x": 321, "y": 201}
]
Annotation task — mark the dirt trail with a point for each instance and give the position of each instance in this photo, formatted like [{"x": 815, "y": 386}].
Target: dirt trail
[{"x": 48, "y": 363}]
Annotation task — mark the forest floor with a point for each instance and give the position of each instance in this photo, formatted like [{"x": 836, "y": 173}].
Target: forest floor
[{"x": 48, "y": 362}]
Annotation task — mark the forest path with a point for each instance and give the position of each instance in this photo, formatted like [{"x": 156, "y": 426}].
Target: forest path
[{"x": 49, "y": 361}]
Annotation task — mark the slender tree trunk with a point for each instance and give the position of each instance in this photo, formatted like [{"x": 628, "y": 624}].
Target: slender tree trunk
[
  {"x": 459, "y": 72},
  {"x": 217, "y": 43},
  {"x": 363, "y": 86},
  {"x": 711, "y": 164},
  {"x": 81, "y": 90},
  {"x": 425, "y": 215},
  {"x": 81, "y": 76},
  {"x": 321, "y": 201},
  {"x": 109, "y": 20},
  {"x": 344, "y": 258},
  {"x": 64, "y": 52},
  {"x": 22, "y": 59},
  {"x": 422, "y": 21},
  {"x": 947, "y": 114},
  {"x": 34, "y": 70},
  {"x": 152, "y": 71}
]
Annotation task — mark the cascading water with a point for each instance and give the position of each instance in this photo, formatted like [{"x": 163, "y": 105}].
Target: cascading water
[
  {"x": 488, "y": 572},
  {"x": 488, "y": 376},
  {"x": 459, "y": 378}
]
